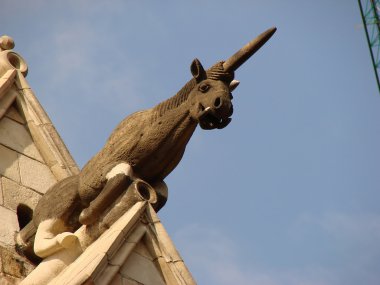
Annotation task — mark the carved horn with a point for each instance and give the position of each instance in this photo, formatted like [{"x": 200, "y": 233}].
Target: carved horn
[{"x": 248, "y": 50}]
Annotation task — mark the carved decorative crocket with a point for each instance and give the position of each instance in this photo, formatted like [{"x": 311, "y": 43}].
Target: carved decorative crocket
[{"x": 146, "y": 145}]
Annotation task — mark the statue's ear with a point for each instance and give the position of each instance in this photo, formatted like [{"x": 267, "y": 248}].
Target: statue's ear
[{"x": 197, "y": 70}]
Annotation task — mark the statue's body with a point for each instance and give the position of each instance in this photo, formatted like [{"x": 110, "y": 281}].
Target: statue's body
[{"x": 146, "y": 145}]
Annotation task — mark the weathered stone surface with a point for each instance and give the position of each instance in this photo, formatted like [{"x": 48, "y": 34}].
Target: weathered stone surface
[
  {"x": 142, "y": 270},
  {"x": 14, "y": 194},
  {"x": 15, "y": 136},
  {"x": 6, "y": 100},
  {"x": 9, "y": 164},
  {"x": 128, "y": 281},
  {"x": 8, "y": 280},
  {"x": 58, "y": 143},
  {"x": 1, "y": 192},
  {"x": 15, "y": 115},
  {"x": 13, "y": 266},
  {"x": 35, "y": 175},
  {"x": 117, "y": 280},
  {"x": 6, "y": 42},
  {"x": 38, "y": 114},
  {"x": 40, "y": 139},
  {"x": 8, "y": 227},
  {"x": 143, "y": 251}
]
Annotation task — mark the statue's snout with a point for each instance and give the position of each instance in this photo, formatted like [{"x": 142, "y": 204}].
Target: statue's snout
[{"x": 223, "y": 107}]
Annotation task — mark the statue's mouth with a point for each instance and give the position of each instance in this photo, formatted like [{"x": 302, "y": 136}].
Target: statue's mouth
[{"x": 208, "y": 119}]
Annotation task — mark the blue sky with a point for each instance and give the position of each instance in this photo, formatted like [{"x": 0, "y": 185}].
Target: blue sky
[{"x": 288, "y": 193}]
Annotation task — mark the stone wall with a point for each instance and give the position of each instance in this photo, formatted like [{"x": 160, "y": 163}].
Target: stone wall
[{"x": 24, "y": 177}]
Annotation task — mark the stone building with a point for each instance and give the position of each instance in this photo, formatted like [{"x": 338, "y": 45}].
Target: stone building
[{"x": 136, "y": 249}]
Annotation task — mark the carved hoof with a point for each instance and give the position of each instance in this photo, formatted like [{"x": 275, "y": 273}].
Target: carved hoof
[
  {"x": 67, "y": 240},
  {"x": 86, "y": 218}
]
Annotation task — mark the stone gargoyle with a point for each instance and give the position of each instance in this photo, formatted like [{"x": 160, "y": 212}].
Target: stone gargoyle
[{"x": 146, "y": 145}]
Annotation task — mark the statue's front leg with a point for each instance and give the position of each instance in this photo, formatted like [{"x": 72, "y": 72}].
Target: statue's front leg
[
  {"x": 118, "y": 180},
  {"x": 47, "y": 241}
]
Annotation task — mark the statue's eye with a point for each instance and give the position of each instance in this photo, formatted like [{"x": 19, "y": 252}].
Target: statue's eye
[{"x": 204, "y": 87}]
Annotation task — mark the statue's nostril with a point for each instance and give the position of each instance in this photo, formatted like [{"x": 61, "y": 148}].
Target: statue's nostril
[{"x": 217, "y": 103}]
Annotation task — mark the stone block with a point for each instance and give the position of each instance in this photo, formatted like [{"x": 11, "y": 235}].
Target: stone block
[
  {"x": 143, "y": 251},
  {"x": 40, "y": 139},
  {"x": 14, "y": 265},
  {"x": 117, "y": 280},
  {"x": 8, "y": 227},
  {"x": 128, "y": 281},
  {"x": 15, "y": 194},
  {"x": 35, "y": 175},
  {"x": 142, "y": 270},
  {"x": 9, "y": 163},
  {"x": 15, "y": 115},
  {"x": 11, "y": 265},
  {"x": 1, "y": 193},
  {"x": 16, "y": 137},
  {"x": 8, "y": 280},
  {"x": 6, "y": 79}
]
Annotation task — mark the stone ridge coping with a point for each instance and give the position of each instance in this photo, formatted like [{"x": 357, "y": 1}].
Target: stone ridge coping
[
  {"x": 168, "y": 257},
  {"x": 46, "y": 137}
]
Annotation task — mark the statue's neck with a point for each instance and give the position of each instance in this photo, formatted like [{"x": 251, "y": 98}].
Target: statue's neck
[
  {"x": 174, "y": 102},
  {"x": 167, "y": 140}
]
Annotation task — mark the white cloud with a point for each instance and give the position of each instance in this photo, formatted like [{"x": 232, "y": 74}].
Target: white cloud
[
  {"x": 359, "y": 228},
  {"x": 72, "y": 45},
  {"x": 213, "y": 255},
  {"x": 216, "y": 259},
  {"x": 81, "y": 59},
  {"x": 353, "y": 239}
]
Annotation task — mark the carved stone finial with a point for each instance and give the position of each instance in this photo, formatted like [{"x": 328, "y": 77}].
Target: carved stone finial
[
  {"x": 10, "y": 59},
  {"x": 6, "y": 42}
]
